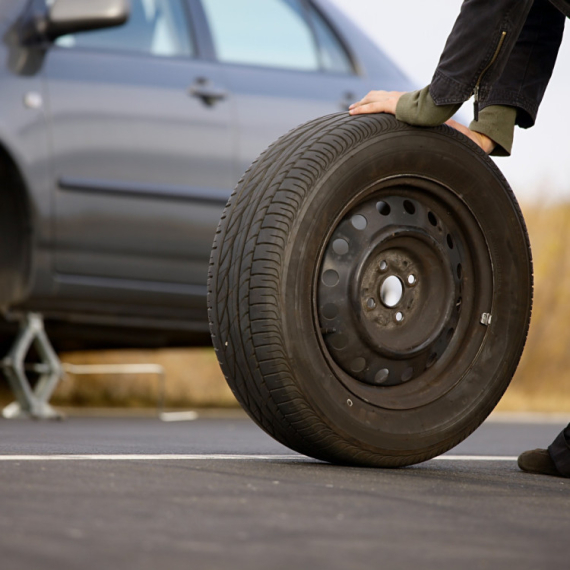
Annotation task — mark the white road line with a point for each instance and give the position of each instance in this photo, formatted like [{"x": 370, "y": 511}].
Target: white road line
[
  {"x": 476, "y": 458},
  {"x": 143, "y": 457},
  {"x": 189, "y": 416},
  {"x": 214, "y": 457}
]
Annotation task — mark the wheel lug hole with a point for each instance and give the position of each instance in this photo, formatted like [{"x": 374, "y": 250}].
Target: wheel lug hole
[
  {"x": 383, "y": 208},
  {"x": 409, "y": 207},
  {"x": 383, "y": 266},
  {"x": 371, "y": 304},
  {"x": 330, "y": 277},
  {"x": 329, "y": 311},
  {"x": 412, "y": 279},
  {"x": 407, "y": 374},
  {"x": 359, "y": 222},
  {"x": 381, "y": 376},
  {"x": 358, "y": 364},
  {"x": 399, "y": 316},
  {"x": 340, "y": 246}
]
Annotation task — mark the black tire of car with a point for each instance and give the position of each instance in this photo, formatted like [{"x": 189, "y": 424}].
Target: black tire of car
[{"x": 266, "y": 290}]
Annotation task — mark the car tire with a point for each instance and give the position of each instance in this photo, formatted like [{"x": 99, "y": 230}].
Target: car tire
[{"x": 324, "y": 351}]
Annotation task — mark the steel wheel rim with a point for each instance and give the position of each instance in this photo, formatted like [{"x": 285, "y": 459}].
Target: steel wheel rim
[{"x": 409, "y": 350}]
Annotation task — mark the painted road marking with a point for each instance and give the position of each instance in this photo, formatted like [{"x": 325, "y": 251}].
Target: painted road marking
[
  {"x": 215, "y": 457},
  {"x": 476, "y": 458},
  {"x": 189, "y": 416}
]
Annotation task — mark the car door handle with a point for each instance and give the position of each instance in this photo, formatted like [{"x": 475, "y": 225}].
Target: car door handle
[{"x": 210, "y": 94}]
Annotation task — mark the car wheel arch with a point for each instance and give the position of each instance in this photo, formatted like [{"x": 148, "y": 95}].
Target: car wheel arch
[{"x": 16, "y": 231}]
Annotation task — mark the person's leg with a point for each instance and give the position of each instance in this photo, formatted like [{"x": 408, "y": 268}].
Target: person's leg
[
  {"x": 552, "y": 461},
  {"x": 559, "y": 451}
]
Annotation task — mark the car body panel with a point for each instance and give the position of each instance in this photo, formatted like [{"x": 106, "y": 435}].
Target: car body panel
[
  {"x": 135, "y": 160},
  {"x": 127, "y": 173}
]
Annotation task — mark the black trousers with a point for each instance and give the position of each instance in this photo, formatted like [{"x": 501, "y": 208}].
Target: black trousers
[{"x": 560, "y": 451}]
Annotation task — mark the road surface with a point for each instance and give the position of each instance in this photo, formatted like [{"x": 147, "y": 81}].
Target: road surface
[{"x": 217, "y": 492}]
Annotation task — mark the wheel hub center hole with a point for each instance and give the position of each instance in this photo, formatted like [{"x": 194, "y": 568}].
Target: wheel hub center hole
[{"x": 391, "y": 291}]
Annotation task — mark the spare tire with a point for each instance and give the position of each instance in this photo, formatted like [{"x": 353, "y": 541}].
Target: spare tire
[{"x": 370, "y": 290}]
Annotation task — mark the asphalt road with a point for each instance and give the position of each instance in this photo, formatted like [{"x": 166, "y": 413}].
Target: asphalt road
[{"x": 219, "y": 493}]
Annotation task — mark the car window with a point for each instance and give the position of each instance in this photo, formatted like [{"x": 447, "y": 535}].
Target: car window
[
  {"x": 271, "y": 33},
  {"x": 333, "y": 55},
  {"x": 157, "y": 27}
]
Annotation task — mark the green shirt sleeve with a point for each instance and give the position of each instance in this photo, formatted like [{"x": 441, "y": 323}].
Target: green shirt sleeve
[
  {"x": 498, "y": 123},
  {"x": 419, "y": 109}
]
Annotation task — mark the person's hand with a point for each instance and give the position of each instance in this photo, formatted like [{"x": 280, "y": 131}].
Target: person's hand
[
  {"x": 479, "y": 139},
  {"x": 377, "y": 102}
]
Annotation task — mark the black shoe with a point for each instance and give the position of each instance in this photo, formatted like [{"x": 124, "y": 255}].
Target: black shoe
[{"x": 538, "y": 461}]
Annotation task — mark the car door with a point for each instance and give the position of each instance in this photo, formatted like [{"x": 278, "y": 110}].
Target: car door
[
  {"x": 284, "y": 64},
  {"x": 142, "y": 153}
]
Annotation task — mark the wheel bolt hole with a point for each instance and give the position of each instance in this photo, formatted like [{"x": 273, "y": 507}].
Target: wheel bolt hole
[
  {"x": 409, "y": 207},
  {"x": 359, "y": 222},
  {"x": 430, "y": 361},
  {"x": 449, "y": 241},
  {"x": 391, "y": 291},
  {"x": 407, "y": 374},
  {"x": 381, "y": 376},
  {"x": 383, "y": 208},
  {"x": 330, "y": 278},
  {"x": 371, "y": 303},
  {"x": 411, "y": 279},
  {"x": 383, "y": 266},
  {"x": 329, "y": 311},
  {"x": 358, "y": 364},
  {"x": 339, "y": 341},
  {"x": 432, "y": 219},
  {"x": 340, "y": 246},
  {"x": 399, "y": 317}
]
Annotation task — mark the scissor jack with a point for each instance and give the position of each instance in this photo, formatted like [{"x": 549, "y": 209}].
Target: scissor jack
[{"x": 32, "y": 402}]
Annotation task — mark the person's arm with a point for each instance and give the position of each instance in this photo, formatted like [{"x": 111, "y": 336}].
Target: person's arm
[
  {"x": 418, "y": 108},
  {"x": 478, "y": 49},
  {"x": 493, "y": 131},
  {"x": 514, "y": 55},
  {"x": 475, "y": 53}
]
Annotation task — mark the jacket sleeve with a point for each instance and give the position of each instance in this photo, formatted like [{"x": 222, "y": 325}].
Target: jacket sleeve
[
  {"x": 478, "y": 48},
  {"x": 504, "y": 51},
  {"x": 475, "y": 54},
  {"x": 529, "y": 67}
]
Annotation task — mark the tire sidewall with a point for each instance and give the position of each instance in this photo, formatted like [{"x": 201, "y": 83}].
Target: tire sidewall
[{"x": 435, "y": 155}]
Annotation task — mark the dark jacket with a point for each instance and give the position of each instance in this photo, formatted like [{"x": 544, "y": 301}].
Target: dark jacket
[{"x": 503, "y": 52}]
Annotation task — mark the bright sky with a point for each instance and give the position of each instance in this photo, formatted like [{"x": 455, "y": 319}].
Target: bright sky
[{"x": 413, "y": 33}]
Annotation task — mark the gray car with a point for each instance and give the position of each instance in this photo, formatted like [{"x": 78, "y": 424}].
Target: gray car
[{"x": 123, "y": 130}]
